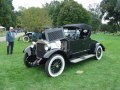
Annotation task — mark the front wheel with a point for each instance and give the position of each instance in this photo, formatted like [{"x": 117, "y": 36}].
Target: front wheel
[
  {"x": 55, "y": 65},
  {"x": 98, "y": 52},
  {"x": 28, "y": 61}
]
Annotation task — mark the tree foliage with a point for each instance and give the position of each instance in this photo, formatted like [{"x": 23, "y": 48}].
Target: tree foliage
[
  {"x": 54, "y": 9},
  {"x": 108, "y": 28},
  {"x": 67, "y": 12},
  {"x": 33, "y": 19},
  {"x": 7, "y": 15},
  {"x": 72, "y": 12},
  {"x": 95, "y": 12},
  {"x": 112, "y": 10}
]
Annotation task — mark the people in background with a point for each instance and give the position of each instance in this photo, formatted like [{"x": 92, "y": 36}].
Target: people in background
[
  {"x": 16, "y": 31},
  {"x": 10, "y": 37}
]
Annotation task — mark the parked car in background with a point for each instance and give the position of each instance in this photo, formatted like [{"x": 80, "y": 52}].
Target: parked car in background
[
  {"x": 72, "y": 43},
  {"x": 27, "y": 37},
  {"x": 32, "y": 36}
]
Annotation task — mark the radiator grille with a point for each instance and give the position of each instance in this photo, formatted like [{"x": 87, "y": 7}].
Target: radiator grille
[
  {"x": 40, "y": 51},
  {"x": 54, "y": 34}
]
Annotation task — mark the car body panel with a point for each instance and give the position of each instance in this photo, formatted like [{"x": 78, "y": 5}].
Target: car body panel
[{"x": 49, "y": 53}]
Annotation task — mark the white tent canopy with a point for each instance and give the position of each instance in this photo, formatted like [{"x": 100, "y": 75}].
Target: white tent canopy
[{"x": 2, "y": 27}]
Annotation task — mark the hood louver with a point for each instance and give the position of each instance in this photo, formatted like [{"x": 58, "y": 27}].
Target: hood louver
[{"x": 54, "y": 34}]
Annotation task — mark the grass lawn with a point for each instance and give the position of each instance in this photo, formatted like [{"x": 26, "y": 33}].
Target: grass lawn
[{"x": 97, "y": 75}]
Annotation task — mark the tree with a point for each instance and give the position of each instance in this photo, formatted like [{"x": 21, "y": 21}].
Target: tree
[
  {"x": 66, "y": 12},
  {"x": 107, "y": 28},
  {"x": 7, "y": 16},
  {"x": 95, "y": 12},
  {"x": 72, "y": 12},
  {"x": 112, "y": 10},
  {"x": 54, "y": 9},
  {"x": 33, "y": 18}
]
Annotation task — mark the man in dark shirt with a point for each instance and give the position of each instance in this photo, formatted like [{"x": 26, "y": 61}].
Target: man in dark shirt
[{"x": 10, "y": 37}]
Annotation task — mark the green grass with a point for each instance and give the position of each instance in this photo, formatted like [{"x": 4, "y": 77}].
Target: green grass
[{"x": 97, "y": 75}]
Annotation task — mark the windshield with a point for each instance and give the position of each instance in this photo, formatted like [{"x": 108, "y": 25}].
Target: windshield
[
  {"x": 69, "y": 32},
  {"x": 72, "y": 33}
]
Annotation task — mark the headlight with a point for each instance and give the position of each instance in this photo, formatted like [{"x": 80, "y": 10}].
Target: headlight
[
  {"x": 32, "y": 46},
  {"x": 47, "y": 47},
  {"x": 33, "y": 43}
]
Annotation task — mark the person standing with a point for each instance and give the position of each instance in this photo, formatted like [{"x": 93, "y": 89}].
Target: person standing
[{"x": 10, "y": 37}]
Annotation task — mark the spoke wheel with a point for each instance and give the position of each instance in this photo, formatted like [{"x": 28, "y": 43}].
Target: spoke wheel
[
  {"x": 55, "y": 65},
  {"x": 26, "y": 39},
  {"x": 99, "y": 52},
  {"x": 27, "y": 61}
]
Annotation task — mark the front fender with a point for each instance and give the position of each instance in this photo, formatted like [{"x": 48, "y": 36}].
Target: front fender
[
  {"x": 28, "y": 50},
  {"x": 54, "y": 51}
]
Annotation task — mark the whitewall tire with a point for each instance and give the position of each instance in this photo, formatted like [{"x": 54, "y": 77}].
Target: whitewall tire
[
  {"x": 55, "y": 65},
  {"x": 98, "y": 52}
]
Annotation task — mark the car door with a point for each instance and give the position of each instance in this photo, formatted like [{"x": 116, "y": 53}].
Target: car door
[
  {"x": 79, "y": 46},
  {"x": 72, "y": 42},
  {"x": 86, "y": 44},
  {"x": 76, "y": 45}
]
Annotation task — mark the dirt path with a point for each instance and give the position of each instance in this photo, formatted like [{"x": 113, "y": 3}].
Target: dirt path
[{"x": 4, "y": 38}]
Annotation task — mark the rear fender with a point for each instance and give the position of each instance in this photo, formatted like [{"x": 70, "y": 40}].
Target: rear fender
[{"x": 101, "y": 46}]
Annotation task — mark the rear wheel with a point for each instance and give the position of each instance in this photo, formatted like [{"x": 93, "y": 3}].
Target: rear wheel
[
  {"x": 26, "y": 39},
  {"x": 98, "y": 52},
  {"x": 55, "y": 65}
]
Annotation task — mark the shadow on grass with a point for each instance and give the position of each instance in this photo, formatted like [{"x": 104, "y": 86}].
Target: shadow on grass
[
  {"x": 79, "y": 64},
  {"x": 68, "y": 67}
]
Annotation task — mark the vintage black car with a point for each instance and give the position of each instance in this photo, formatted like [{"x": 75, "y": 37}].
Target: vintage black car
[{"x": 72, "y": 43}]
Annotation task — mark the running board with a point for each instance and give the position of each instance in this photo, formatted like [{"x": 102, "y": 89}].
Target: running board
[{"x": 82, "y": 58}]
